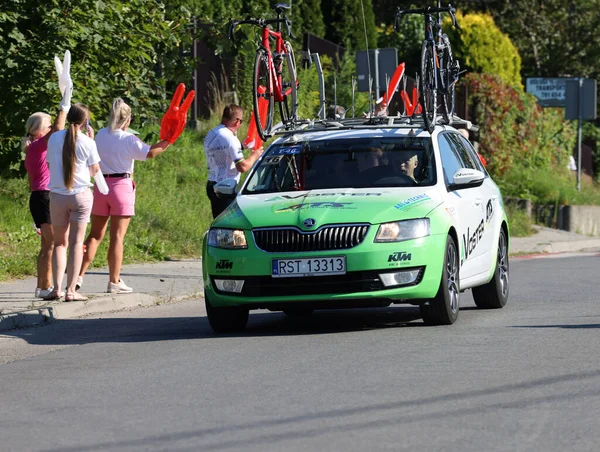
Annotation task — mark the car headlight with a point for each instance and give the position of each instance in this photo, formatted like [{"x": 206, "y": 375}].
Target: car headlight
[
  {"x": 403, "y": 230},
  {"x": 231, "y": 239}
]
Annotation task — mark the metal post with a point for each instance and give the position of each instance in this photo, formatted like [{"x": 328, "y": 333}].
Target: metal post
[
  {"x": 579, "y": 127},
  {"x": 195, "y": 75},
  {"x": 334, "y": 96},
  {"x": 376, "y": 54},
  {"x": 353, "y": 89},
  {"x": 322, "y": 107}
]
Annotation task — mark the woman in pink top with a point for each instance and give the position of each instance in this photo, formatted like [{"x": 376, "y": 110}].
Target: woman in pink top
[
  {"x": 117, "y": 149},
  {"x": 35, "y": 144}
]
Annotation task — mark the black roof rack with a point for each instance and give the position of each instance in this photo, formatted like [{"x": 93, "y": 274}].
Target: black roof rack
[{"x": 306, "y": 126}]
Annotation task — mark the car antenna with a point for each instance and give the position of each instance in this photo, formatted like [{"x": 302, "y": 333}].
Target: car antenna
[{"x": 371, "y": 107}]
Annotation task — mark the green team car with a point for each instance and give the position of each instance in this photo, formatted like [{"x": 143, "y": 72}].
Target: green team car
[{"x": 358, "y": 214}]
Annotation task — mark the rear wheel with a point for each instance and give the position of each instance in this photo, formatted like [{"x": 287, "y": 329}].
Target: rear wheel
[
  {"x": 448, "y": 80},
  {"x": 288, "y": 108},
  {"x": 428, "y": 86},
  {"x": 226, "y": 320},
  {"x": 443, "y": 309},
  {"x": 262, "y": 95},
  {"x": 494, "y": 294}
]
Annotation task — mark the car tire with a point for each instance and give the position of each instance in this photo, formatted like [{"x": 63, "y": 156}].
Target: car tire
[
  {"x": 298, "y": 312},
  {"x": 443, "y": 309},
  {"x": 226, "y": 320},
  {"x": 494, "y": 294}
]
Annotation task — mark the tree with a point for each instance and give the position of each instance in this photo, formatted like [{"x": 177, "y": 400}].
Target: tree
[
  {"x": 116, "y": 48},
  {"x": 556, "y": 38},
  {"x": 307, "y": 17},
  {"x": 348, "y": 21}
]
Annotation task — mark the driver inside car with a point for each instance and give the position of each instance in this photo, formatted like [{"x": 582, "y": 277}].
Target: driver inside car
[{"x": 405, "y": 162}]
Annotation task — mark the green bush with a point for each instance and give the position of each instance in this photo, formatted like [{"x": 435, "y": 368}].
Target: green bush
[
  {"x": 481, "y": 47},
  {"x": 515, "y": 131},
  {"x": 519, "y": 222}
]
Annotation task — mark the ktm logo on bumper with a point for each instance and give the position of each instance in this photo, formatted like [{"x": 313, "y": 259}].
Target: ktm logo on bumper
[{"x": 399, "y": 256}]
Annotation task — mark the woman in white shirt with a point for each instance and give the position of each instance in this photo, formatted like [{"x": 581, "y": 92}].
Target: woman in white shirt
[
  {"x": 72, "y": 158},
  {"x": 118, "y": 149}
]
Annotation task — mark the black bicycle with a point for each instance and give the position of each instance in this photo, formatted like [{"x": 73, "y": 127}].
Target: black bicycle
[{"x": 439, "y": 69}]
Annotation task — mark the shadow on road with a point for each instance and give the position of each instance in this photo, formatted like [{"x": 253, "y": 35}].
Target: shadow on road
[{"x": 261, "y": 323}]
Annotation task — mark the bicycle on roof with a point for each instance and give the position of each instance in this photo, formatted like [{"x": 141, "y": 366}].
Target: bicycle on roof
[
  {"x": 439, "y": 69},
  {"x": 274, "y": 78}
]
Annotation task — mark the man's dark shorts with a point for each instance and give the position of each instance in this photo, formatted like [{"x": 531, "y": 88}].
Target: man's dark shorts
[
  {"x": 39, "y": 206},
  {"x": 217, "y": 203}
]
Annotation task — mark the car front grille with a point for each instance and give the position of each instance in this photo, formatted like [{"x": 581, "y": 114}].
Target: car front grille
[{"x": 292, "y": 240}]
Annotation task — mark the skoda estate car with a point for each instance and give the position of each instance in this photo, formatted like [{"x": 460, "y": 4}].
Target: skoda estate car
[{"x": 358, "y": 214}]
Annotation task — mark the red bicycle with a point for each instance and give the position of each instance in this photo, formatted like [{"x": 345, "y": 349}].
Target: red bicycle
[{"x": 274, "y": 78}]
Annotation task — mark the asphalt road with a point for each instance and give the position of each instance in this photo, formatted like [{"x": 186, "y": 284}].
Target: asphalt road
[{"x": 523, "y": 378}]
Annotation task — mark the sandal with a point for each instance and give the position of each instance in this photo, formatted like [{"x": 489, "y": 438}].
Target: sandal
[
  {"x": 54, "y": 295},
  {"x": 75, "y": 297}
]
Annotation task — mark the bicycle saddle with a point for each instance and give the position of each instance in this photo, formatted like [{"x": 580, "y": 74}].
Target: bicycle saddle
[{"x": 281, "y": 7}]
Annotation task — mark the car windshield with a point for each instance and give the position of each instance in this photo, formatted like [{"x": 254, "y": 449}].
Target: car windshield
[{"x": 344, "y": 163}]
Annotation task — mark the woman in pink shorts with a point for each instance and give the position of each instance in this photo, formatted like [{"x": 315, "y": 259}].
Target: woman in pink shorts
[
  {"x": 118, "y": 149},
  {"x": 73, "y": 159}
]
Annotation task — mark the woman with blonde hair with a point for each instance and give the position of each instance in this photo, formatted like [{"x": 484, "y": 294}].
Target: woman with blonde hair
[
  {"x": 39, "y": 128},
  {"x": 72, "y": 158},
  {"x": 118, "y": 148}
]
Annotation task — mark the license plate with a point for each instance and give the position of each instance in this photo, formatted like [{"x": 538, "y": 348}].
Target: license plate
[{"x": 322, "y": 266}]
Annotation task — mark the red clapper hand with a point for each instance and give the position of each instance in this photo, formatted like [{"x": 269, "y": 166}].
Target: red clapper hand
[{"x": 173, "y": 122}]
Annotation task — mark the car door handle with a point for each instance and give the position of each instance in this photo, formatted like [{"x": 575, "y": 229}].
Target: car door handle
[{"x": 478, "y": 201}]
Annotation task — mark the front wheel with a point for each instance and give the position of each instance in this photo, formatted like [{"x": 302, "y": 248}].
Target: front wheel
[
  {"x": 448, "y": 78},
  {"x": 443, "y": 309},
  {"x": 428, "y": 85},
  {"x": 494, "y": 294},
  {"x": 288, "y": 107},
  {"x": 226, "y": 320},
  {"x": 263, "y": 95}
]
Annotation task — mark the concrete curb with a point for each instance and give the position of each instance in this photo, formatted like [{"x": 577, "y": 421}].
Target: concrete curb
[
  {"x": 556, "y": 247},
  {"x": 48, "y": 314}
]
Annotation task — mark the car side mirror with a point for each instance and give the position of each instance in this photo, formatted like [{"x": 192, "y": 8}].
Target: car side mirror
[
  {"x": 227, "y": 187},
  {"x": 466, "y": 178}
]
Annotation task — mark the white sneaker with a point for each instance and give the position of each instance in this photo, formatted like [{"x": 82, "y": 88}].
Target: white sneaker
[
  {"x": 121, "y": 287},
  {"x": 79, "y": 283},
  {"x": 43, "y": 293}
]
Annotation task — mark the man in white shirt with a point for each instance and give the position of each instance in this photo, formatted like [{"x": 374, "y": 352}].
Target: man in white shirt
[{"x": 224, "y": 155}]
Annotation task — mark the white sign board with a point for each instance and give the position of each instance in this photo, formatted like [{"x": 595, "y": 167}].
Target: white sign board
[{"x": 551, "y": 92}]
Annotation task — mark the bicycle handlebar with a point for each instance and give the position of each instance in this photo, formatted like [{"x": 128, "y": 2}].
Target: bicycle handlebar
[
  {"x": 427, "y": 11},
  {"x": 263, "y": 23}
]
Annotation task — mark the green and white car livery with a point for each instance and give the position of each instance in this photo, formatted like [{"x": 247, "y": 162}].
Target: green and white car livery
[{"x": 333, "y": 219}]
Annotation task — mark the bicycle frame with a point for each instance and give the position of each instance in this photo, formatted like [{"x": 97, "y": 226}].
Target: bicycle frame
[
  {"x": 280, "y": 49},
  {"x": 274, "y": 79}
]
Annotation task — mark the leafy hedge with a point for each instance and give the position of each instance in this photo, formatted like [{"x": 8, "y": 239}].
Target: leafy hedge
[{"x": 516, "y": 134}]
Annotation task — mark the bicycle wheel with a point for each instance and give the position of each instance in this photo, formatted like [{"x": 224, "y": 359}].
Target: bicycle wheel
[
  {"x": 448, "y": 80},
  {"x": 289, "y": 85},
  {"x": 428, "y": 86},
  {"x": 262, "y": 95}
]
